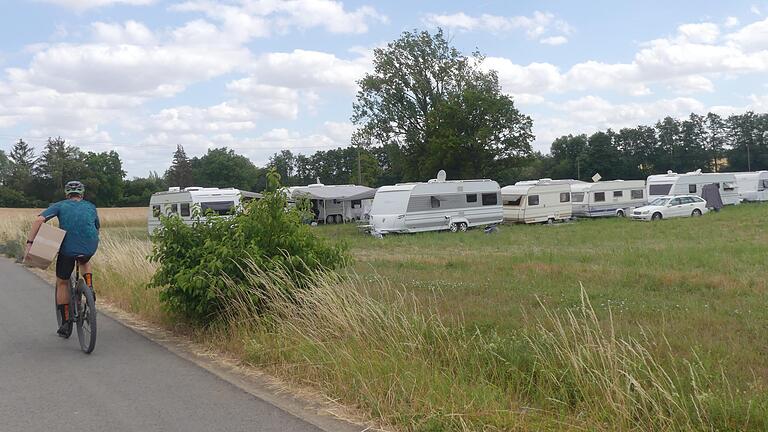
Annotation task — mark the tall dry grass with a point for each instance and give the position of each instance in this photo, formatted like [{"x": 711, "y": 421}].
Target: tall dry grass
[
  {"x": 109, "y": 217},
  {"x": 399, "y": 362}
]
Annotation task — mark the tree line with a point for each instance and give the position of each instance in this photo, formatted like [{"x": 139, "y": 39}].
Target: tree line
[{"x": 424, "y": 107}]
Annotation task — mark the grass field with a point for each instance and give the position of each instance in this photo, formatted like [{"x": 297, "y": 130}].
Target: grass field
[{"x": 499, "y": 336}]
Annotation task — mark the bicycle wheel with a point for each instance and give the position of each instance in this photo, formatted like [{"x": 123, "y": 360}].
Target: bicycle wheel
[
  {"x": 59, "y": 318},
  {"x": 86, "y": 317}
]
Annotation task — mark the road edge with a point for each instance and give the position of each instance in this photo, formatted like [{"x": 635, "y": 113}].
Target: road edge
[{"x": 249, "y": 380}]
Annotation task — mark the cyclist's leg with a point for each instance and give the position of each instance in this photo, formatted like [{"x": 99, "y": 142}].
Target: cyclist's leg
[
  {"x": 86, "y": 269},
  {"x": 64, "y": 266}
]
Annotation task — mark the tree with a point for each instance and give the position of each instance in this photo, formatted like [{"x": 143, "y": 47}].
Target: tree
[
  {"x": 180, "y": 172},
  {"x": 222, "y": 167},
  {"x": 284, "y": 163},
  {"x": 137, "y": 191},
  {"x": 568, "y": 154},
  {"x": 22, "y": 167},
  {"x": 602, "y": 156},
  {"x": 5, "y": 168},
  {"x": 104, "y": 178},
  {"x": 716, "y": 140},
  {"x": 693, "y": 136},
  {"x": 58, "y": 164},
  {"x": 438, "y": 107}
]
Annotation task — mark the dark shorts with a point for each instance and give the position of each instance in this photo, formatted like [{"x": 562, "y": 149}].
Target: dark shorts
[{"x": 65, "y": 264}]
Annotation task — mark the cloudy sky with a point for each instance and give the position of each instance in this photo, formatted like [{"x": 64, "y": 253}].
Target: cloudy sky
[{"x": 140, "y": 76}]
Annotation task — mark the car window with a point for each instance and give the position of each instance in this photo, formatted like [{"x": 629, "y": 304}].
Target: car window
[{"x": 675, "y": 201}]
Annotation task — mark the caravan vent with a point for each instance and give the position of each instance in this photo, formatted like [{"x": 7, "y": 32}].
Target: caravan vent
[{"x": 174, "y": 189}]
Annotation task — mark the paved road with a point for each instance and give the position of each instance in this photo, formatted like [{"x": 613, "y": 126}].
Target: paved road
[{"x": 128, "y": 384}]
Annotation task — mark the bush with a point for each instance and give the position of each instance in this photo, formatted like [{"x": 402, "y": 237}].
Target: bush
[{"x": 194, "y": 261}]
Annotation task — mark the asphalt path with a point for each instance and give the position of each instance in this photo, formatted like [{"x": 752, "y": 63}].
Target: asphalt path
[{"x": 128, "y": 383}]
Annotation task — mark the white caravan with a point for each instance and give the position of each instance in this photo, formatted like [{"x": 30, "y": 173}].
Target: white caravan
[
  {"x": 439, "y": 204},
  {"x": 335, "y": 203},
  {"x": 184, "y": 203},
  {"x": 534, "y": 201},
  {"x": 753, "y": 186},
  {"x": 692, "y": 182},
  {"x": 607, "y": 198}
]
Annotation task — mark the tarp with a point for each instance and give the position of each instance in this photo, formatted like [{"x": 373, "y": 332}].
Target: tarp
[
  {"x": 711, "y": 194},
  {"x": 337, "y": 192}
]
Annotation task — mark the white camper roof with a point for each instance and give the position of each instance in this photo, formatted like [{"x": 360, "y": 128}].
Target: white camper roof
[
  {"x": 673, "y": 176},
  {"x": 753, "y": 175},
  {"x": 337, "y": 192},
  {"x": 543, "y": 185},
  {"x": 549, "y": 181},
  {"x": 608, "y": 185}
]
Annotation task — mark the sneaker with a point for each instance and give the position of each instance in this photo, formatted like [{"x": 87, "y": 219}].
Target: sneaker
[{"x": 65, "y": 330}]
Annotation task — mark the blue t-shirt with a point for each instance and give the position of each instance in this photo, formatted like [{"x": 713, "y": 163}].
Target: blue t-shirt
[{"x": 81, "y": 222}]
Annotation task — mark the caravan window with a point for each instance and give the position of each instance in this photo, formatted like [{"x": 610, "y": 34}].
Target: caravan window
[
  {"x": 357, "y": 203},
  {"x": 218, "y": 207},
  {"x": 185, "y": 209},
  {"x": 637, "y": 194},
  {"x": 618, "y": 194},
  {"x": 434, "y": 202},
  {"x": 513, "y": 200},
  {"x": 691, "y": 188},
  {"x": 762, "y": 185},
  {"x": 728, "y": 186},
  {"x": 156, "y": 210},
  {"x": 599, "y": 196},
  {"x": 577, "y": 196},
  {"x": 533, "y": 200},
  {"x": 172, "y": 209},
  {"x": 490, "y": 199},
  {"x": 565, "y": 197},
  {"x": 659, "y": 189},
  {"x": 471, "y": 198}
]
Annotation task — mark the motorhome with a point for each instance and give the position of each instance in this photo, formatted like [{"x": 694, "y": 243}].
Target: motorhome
[
  {"x": 692, "y": 182},
  {"x": 753, "y": 186},
  {"x": 185, "y": 203},
  {"x": 438, "y": 204},
  {"x": 534, "y": 201},
  {"x": 607, "y": 198},
  {"x": 335, "y": 203}
]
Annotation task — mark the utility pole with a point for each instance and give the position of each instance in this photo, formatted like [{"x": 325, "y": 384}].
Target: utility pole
[{"x": 359, "y": 171}]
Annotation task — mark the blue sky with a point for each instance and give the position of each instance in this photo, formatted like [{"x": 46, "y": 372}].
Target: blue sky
[{"x": 140, "y": 76}]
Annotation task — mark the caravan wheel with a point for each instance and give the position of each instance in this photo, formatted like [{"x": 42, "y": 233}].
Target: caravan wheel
[
  {"x": 463, "y": 227},
  {"x": 453, "y": 227},
  {"x": 329, "y": 220}
]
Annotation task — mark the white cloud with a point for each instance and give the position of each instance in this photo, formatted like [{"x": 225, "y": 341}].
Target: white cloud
[
  {"x": 309, "y": 69},
  {"x": 753, "y": 37},
  {"x": 731, "y": 22},
  {"x": 535, "y": 26},
  {"x": 692, "y": 84},
  {"x": 554, "y": 40},
  {"x": 131, "y": 32},
  {"x": 255, "y": 18},
  {"x": 82, "y": 5},
  {"x": 699, "y": 32}
]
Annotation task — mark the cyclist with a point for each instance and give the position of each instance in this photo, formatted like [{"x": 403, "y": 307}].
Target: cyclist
[{"x": 80, "y": 220}]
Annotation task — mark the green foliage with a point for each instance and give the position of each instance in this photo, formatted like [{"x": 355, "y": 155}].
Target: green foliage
[
  {"x": 222, "y": 167},
  {"x": 195, "y": 261},
  {"x": 440, "y": 108},
  {"x": 180, "y": 172}
]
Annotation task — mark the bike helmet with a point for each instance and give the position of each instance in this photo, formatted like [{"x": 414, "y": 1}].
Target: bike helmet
[{"x": 74, "y": 187}]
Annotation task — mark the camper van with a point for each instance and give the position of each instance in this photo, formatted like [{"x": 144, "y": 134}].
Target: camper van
[
  {"x": 534, "y": 201},
  {"x": 753, "y": 186},
  {"x": 335, "y": 203},
  {"x": 438, "y": 204},
  {"x": 607, "y": 198},
  {"x": 692, "y": 182},
  {"x": 184, "y": 203}
]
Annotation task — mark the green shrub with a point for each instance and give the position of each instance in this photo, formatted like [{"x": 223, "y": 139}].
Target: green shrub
[{"x": 194, "y": 261}]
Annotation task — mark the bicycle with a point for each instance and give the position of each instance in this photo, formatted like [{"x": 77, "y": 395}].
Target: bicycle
[{"x": 81, "y": 314}]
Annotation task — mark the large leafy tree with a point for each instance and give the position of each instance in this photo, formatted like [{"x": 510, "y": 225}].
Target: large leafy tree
[
  {"x": 104, "y": 178},
  {"x": 180, "y": 172},
  {"x": 439, "y": 108},
  {"x": 222, "y": 167}
]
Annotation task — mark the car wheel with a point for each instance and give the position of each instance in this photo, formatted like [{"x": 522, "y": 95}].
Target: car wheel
[
  {"x": 620, "y": 213},
  {"x": 463, "y": 227},
  {"x": 656, "y": 216},
  {"x": 453, "y": 227},
  {"x": 696, "y": 213}
]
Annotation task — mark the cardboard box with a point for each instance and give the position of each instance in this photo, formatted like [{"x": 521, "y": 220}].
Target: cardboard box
[{"x": 45, "y": 246}]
